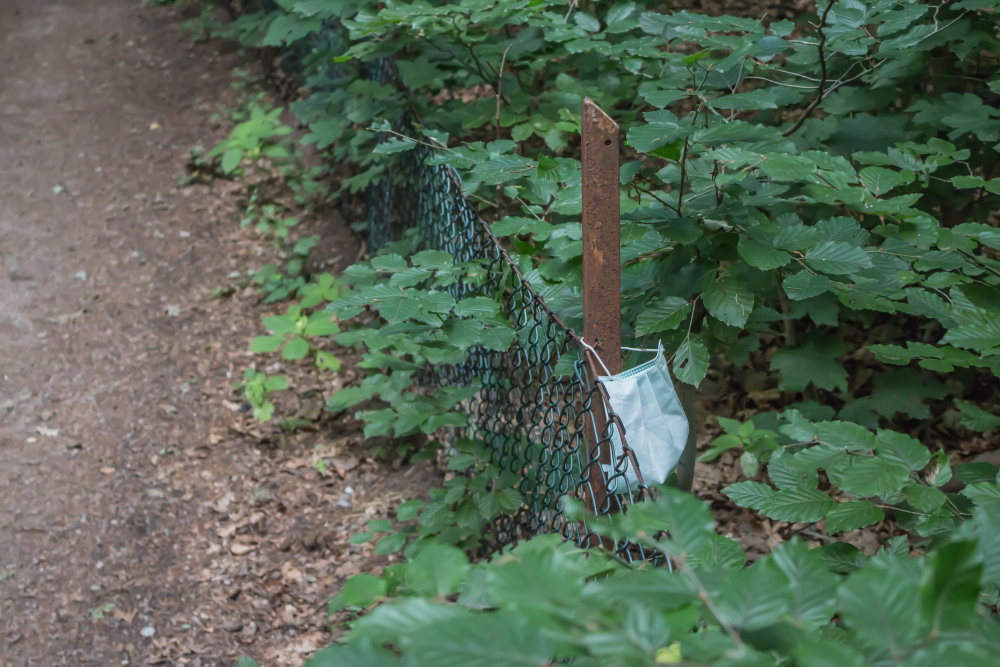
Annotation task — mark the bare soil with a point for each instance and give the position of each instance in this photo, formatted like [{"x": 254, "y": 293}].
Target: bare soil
[{"x": 144, "y": 517}]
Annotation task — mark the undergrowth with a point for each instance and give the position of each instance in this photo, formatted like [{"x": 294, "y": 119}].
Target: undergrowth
[{"x": 808, "y": 216}]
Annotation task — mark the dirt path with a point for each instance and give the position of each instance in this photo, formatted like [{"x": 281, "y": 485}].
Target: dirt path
[{"x": 138, "y": 525}]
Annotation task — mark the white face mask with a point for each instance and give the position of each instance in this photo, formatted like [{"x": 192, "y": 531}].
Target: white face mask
[{"x": 656, "y": 428}]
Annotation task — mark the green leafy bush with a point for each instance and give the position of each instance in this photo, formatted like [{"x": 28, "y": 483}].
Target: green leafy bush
[
  {"x": 808, "y": 210},
  {"x": 547, "y": 601}
]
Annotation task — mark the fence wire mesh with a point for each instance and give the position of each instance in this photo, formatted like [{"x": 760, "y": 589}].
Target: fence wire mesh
[{"x": 548, "y": 428}]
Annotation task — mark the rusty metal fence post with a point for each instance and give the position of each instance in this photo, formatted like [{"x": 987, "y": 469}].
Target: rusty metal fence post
[{"x": 601, "y": 264}]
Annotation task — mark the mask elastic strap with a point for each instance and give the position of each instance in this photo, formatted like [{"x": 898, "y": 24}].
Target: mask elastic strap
[{"x": 590, "y": 347}]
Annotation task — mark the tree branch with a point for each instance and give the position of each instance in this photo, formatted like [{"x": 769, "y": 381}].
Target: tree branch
[{"x": 821, "y": 87}]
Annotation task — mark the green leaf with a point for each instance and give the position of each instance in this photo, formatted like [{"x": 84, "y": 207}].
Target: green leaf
[
  {"x": 408, "y": 510},
  {"x": 649, "y": 137},
  {"x": 501, "y": 638},
  {"x": 721, "y": 444},
  {"x": 719, "y": 551},
  {"x": 843, "y": 557},
  {"x": 753, "y": 495},
  {"x": 390, "y": 544},
  {"x": 587, "y": 22},
  {"x": 231, "y": 160},
  {"x": 389, "y": 262},
  {"x": 762, "y": 98},
  {"x": 396, "y": 619},
  {"x": 869, "y": 477},
  {"x": 976, "y": 472},
  {"x": 437, "y": 571},
  {"x": 691, "y": 362},
  {"x": 361, "y": 652},
  {"x": 974, "y": 418},
  {"x": 296, "y": 348},
  {"x": 395, "y": 309},
  {"x": 753, "y": 598},
  {"x": 984, "y": 494},
  {"x": 361, "y": 538},
  {"x": 359, "y": 591},
  {"x": 805, "y": 285},
  {"x": 688, "y": 520},
  {"x": 851, "y": 515},
  {"x": 281, "y": 324},
  {"x": 729, "y": 300},
  {"x": 326, "y": 361},
  {"x": 813, "y": 585},
  {"x": 950, "y": 586},
  {"x": 517, "y": 226},
  {"x": 813, "y": 362},
  {"x": 797, "y": 504},
  {"x": 320, "y": 324},
  {"x": 477, "y": 306},
  {"x": 276, "y": 383},
  {"x": 982, "y": 335},
  {"x": 510, "y": 500},
  {"x": 878, "y": 180},
  {"x": 924, "y": 498},
  {"x": 463, "y": 333},
  {"x": 380, "y": 525},
  {"x": 266, "y": 343},
  {"x": 878, "y": 605},
  {"x": 762, "y": 255},
  {"x": 786, "y": 471},
  {"x": 667, "y": 313},
  {"x": 432, "y": 259},
  {"x": 837, "y": 257},
  {"x": 902, "y": 449},
  {"x": 394, "y": 145}
]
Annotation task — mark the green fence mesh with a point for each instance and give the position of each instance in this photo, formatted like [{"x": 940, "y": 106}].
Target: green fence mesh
[{"x": 548, "y": 428}]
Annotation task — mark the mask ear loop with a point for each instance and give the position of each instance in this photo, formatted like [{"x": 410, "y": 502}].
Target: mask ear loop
[{"x": 590, "y": 348}]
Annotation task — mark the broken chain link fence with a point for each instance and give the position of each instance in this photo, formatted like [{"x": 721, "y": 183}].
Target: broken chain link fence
[
  {"x": 551, "y": 429},
  {"x": 548, "y": 428}
]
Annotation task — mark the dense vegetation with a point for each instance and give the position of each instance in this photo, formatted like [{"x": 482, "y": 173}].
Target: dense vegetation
[{"x": 809, "y": 214}]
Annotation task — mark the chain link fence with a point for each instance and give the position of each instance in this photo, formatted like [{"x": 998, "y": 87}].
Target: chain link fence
[
  {"x": 551, "y": 429},
  {"x": 548, "y": 428}
]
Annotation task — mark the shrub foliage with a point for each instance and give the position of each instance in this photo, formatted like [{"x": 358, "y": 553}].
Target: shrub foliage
[{"x": 809, "y": 209}]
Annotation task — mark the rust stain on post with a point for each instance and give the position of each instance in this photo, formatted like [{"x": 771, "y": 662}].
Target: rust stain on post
[
  {"x": 601, "y": 255},
  {"x": 601, "y": 235}
]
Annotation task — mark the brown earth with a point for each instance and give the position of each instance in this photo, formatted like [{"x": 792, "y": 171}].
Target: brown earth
[{"x": 144, "y": 517}]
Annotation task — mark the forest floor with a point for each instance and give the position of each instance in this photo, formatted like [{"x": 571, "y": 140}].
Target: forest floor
[{"x": 144, "y": 517}]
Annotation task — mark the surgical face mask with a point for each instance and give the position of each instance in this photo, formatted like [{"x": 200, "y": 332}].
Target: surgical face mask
[{"x": 656, "y": 428}]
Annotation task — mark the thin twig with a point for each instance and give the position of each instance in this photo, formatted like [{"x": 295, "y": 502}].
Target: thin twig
[
  {"x": 499, "y": 87},
  {"x": 657, "y": 198},
  {"x": 435, "y": 146},
  {"x": 680, "y": 189},
  {"x": 821, "y": 87},
  {"x": 572, "y": 6}
]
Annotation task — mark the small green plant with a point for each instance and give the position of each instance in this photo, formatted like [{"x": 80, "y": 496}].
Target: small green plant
[
  {"x": 101, "y": 611},
  {"x": 458, "y": 514},
  {"x": 291, "y": 332},
  {"x": 267, "y": 218},
  {"x": 262, "y": 135},
  {"x": 257, "y": 389}
]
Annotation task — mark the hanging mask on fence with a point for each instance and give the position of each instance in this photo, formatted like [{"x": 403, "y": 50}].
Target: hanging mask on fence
[{"x": 656, "y": 427}]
